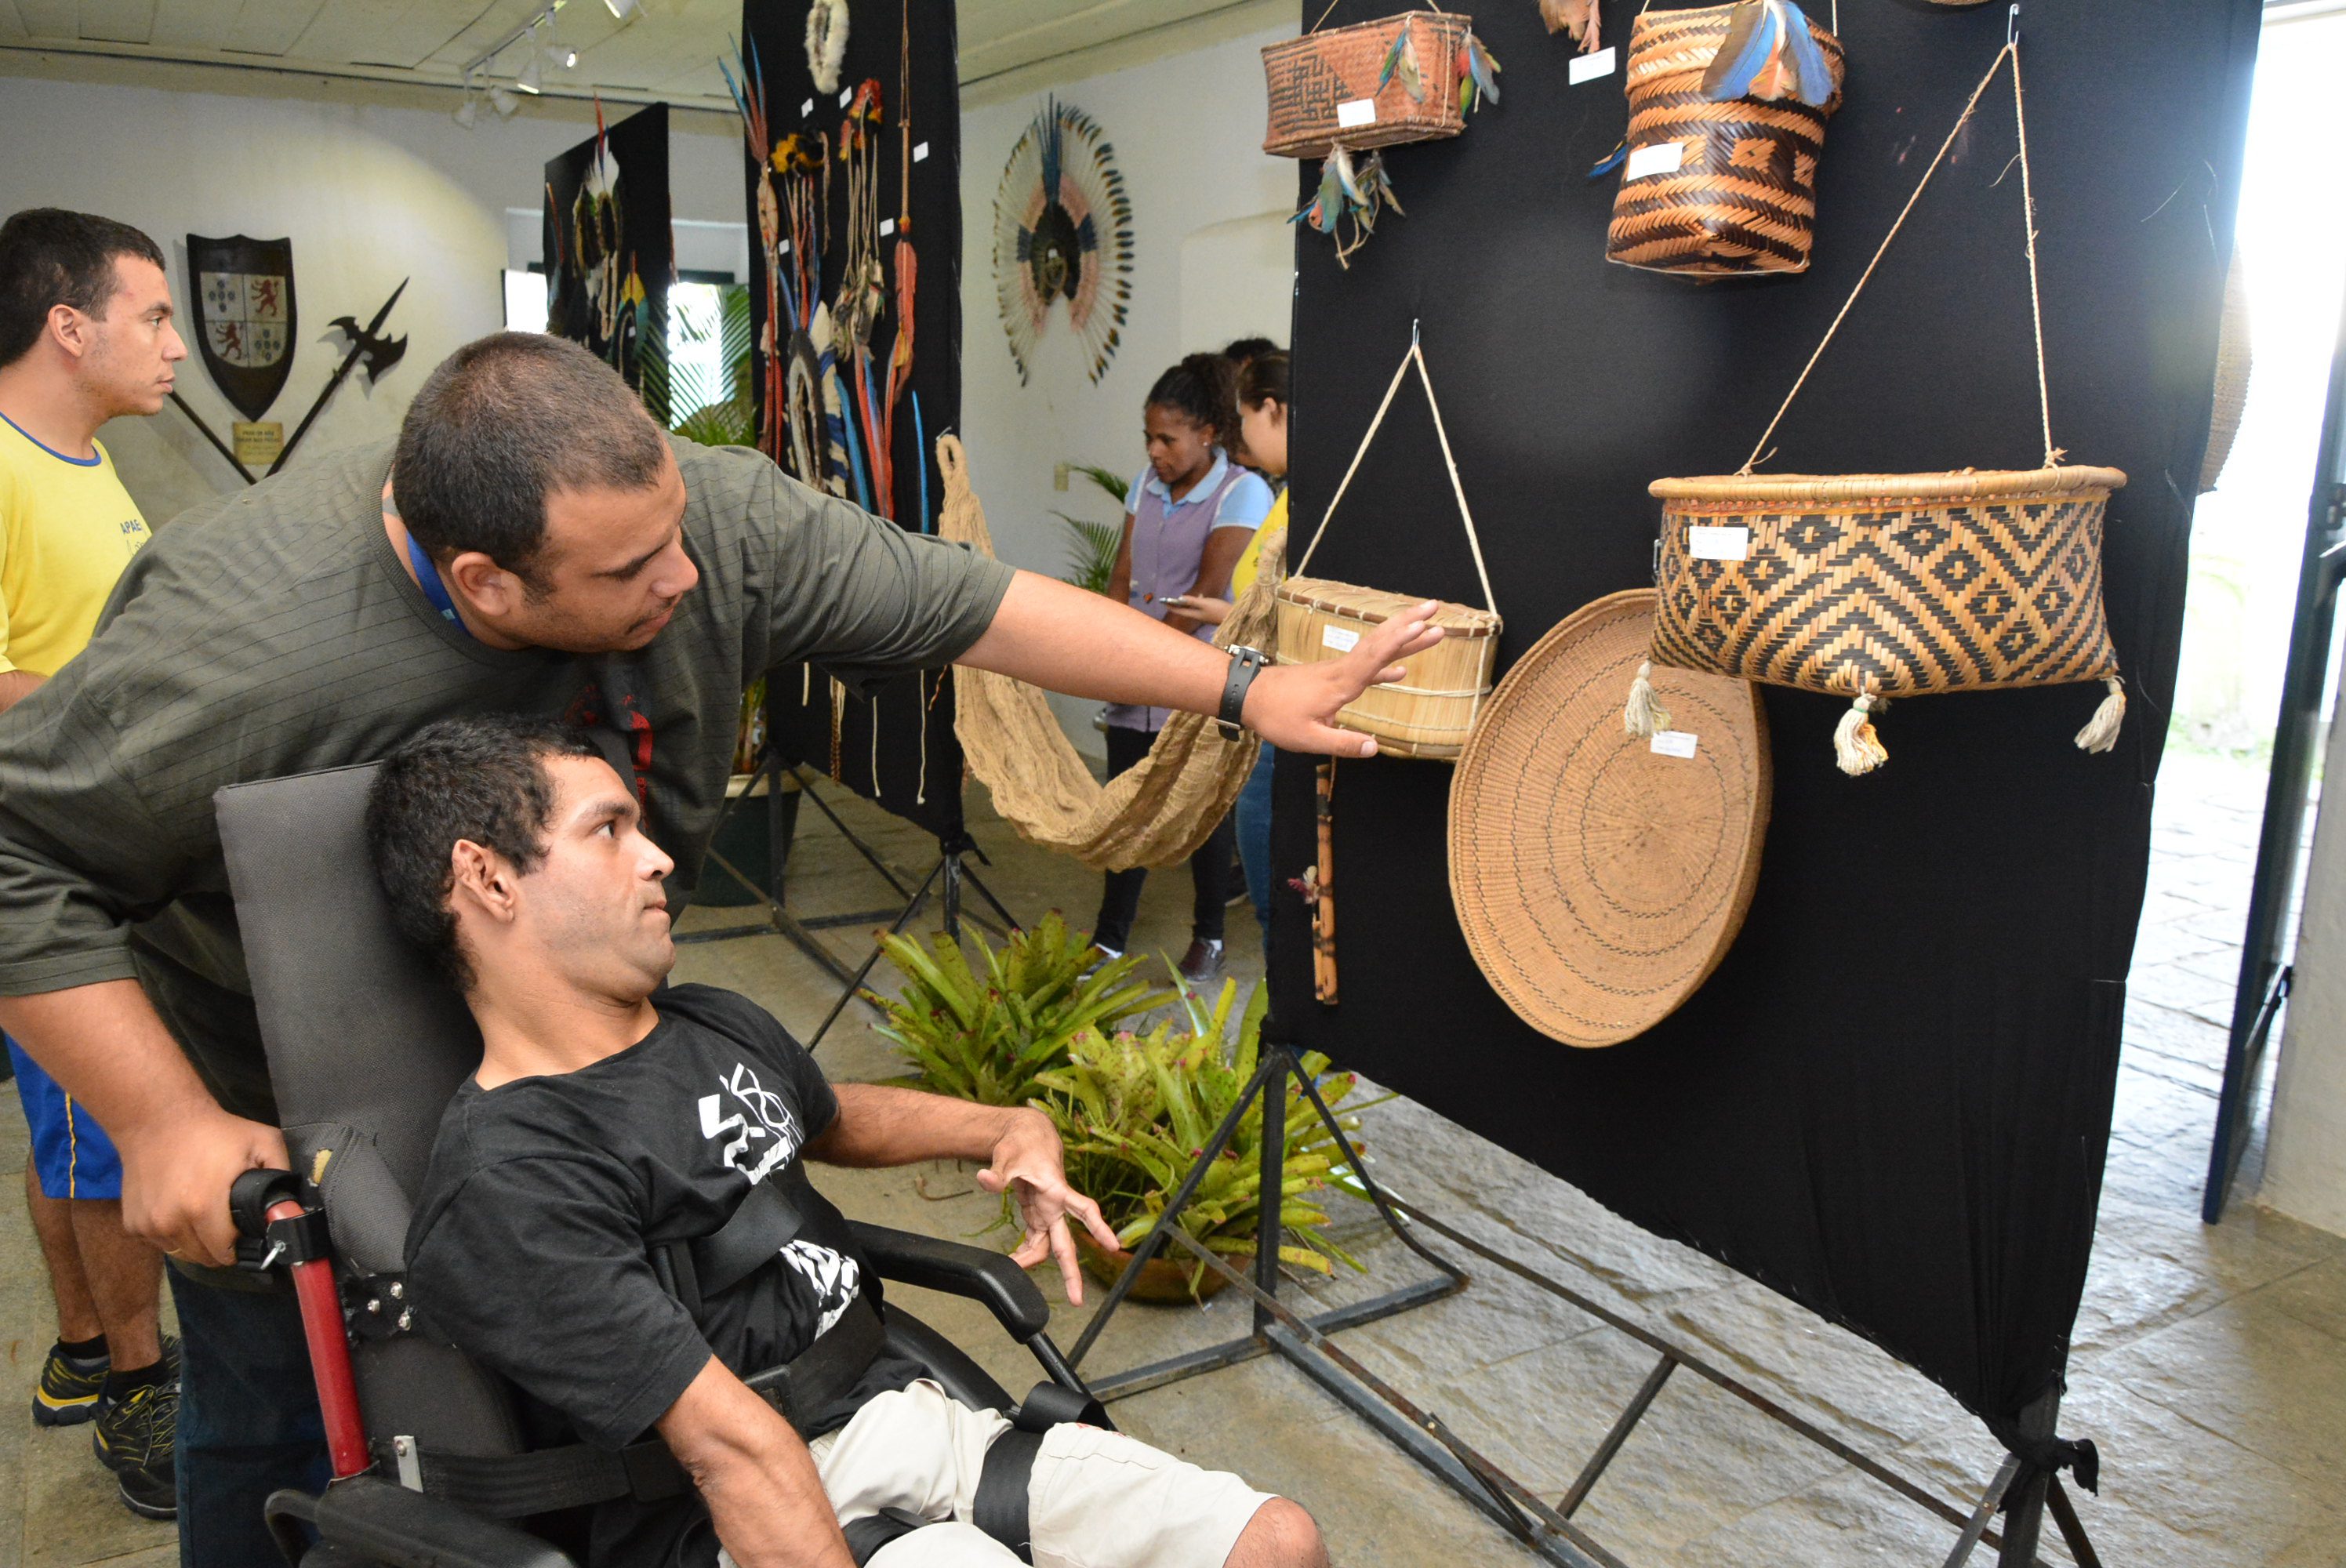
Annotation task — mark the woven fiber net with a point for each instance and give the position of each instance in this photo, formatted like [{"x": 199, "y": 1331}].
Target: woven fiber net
[{"x": 1155, "y": 814}]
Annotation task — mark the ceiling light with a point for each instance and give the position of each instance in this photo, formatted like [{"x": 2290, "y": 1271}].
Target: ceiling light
[
  {"x": 468, "y": 112},
  {"x": 528, "y": 79},
  {"x": 622, "y": 9},
  {"x": 563, "y": 54},
  {"x": 504, "y": 102}
]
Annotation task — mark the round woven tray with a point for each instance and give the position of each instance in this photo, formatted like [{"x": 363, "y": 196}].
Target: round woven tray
[
  {"x": 1953, "y": 484},
  {"x": 1599, "y": 882}
]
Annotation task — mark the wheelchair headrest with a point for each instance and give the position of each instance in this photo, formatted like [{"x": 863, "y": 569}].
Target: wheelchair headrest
[{"x": 359, "y": 1030}]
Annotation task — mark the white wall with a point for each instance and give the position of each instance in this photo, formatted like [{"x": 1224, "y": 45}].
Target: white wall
[
  {"x": 1212, "y": 262},
  {"x": 369, "y": 192}
]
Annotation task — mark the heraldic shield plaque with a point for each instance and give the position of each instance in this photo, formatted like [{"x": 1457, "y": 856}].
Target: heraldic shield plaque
[{"x": 243, "y": 302}]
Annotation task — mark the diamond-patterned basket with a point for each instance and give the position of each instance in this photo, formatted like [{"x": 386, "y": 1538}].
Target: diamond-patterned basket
[{"x": 1874, "y": 585}]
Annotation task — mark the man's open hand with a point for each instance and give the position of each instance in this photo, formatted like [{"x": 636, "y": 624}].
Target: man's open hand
[
  {"x": 1294, "y": 706},
  {"x": 1030, "y": 1163}
]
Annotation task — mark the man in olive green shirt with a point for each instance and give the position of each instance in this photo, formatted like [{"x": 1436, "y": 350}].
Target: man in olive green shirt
[{"x": 534, "y": 542}]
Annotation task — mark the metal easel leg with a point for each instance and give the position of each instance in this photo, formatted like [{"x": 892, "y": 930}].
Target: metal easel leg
[{"x": 2023, "y": 1504}]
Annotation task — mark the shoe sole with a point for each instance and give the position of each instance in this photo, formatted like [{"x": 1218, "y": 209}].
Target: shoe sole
[
  {"x": 145, "y": 1510},
  {"x": 63, "y": 1413}
]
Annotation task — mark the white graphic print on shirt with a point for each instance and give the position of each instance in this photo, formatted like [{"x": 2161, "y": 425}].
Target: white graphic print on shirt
[
  {"x": 775, "y": 1127},
  {"x": 835, "y": 1279}
]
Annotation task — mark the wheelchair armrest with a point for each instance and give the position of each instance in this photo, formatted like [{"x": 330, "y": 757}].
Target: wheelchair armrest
[
  {"x": 957, "y": 1270},
  {"x": 378, "y": 1522}
]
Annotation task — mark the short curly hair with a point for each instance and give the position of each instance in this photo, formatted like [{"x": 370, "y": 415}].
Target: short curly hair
[
  {"x": 50, "y": 256},
  {"x": 481, "y": 779}
]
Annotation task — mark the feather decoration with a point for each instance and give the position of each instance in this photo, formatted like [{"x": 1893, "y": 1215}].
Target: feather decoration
[
  {"x": 1768, "y": 53},
  {"x": 1401, "y": 61},
  {"x": 1349, "y": 198},
  {"x": 1578, "y": 17},
  {"x": 1611, "y": 160},
  {"x": 1478, "y": 73},
  {"x": 1743, "y": 53}
]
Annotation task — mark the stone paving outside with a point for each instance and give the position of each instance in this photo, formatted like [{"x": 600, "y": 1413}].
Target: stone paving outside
[{"x": 2209, "y": 1363}]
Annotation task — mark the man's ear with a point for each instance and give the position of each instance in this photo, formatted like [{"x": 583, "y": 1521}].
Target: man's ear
[
  {"x": 486, "y": 586},
  {"x": 70, "y": 329},
  {"x": 484, "y": 881}
]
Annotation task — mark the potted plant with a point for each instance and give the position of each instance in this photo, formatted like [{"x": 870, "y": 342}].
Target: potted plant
[
  {"x": 986, "y": 1034},
  {"x": 1134, "y": 1112}
]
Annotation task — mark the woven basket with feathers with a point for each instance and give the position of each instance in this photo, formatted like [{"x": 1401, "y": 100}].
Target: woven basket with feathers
[
  {"x": 1312, "y": 78},
  {"x": 1742, "y": 198}
]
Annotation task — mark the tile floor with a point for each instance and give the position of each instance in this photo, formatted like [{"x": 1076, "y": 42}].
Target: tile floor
[{"x": 2210, "y": 1363}]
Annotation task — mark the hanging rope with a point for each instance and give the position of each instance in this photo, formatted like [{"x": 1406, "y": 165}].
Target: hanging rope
[{"x": 2011, "y": 51}]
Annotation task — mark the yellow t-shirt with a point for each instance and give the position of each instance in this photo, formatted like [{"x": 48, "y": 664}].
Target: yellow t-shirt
[
  {"x": 67, "y": 530},
  {"x": 1242, "y": 575}
]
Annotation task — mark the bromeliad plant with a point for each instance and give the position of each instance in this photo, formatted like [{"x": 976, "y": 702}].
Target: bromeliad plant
[
  {"x": 986, "y": 1033},
  {"x": 1134, "y": 1112}
]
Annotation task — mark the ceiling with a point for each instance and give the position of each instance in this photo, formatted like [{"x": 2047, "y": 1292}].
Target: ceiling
[{"x": 667, "y": 50}]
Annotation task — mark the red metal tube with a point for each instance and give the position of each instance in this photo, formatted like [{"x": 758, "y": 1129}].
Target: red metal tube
[{"x": 329, "y": 1356}]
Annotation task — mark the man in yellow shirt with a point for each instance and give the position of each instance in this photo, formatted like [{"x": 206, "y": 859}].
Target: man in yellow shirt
[{"x": 85, "y": 335}]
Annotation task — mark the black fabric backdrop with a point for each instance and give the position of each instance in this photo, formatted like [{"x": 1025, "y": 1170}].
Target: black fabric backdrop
[
  {"x": 908, "y": 707},
  {"x": 1892, "y": 1102},
  {"x": 637, "y": 149}
]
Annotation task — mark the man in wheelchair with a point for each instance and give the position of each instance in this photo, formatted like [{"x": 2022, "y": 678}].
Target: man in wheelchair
[{"x": 592, "y": 1190}]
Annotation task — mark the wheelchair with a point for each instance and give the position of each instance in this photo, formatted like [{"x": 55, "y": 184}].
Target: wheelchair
[{"x": 432, "y": 1467}]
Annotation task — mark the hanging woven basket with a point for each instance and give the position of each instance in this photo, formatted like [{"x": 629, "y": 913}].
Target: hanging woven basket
[
  {"x": 1430, "y": 711},
  {"x": 1872, "y": 585},
  {"x": 1714, "y": 189},
  {"x": 1324, "y": 87}
]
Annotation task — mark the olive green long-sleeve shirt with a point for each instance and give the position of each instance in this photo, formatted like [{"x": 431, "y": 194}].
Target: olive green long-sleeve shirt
[{"x": 275, "y": 632}]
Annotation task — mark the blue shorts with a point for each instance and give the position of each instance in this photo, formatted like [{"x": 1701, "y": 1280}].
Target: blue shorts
[{"x": 71, "y": 1153}]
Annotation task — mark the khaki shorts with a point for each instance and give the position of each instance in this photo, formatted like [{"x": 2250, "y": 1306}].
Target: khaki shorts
[{"x": 1095, "y": 1499}]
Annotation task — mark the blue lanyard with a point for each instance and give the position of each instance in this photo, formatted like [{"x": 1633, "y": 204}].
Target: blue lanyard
[{"x": 427, "y": 577}]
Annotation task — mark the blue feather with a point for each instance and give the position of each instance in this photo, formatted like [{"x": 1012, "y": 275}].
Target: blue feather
[
  {"x": 1751, "y": 36},
  {"x": 1807, "y": 60},
  {"x": 1613, "y": 160}
]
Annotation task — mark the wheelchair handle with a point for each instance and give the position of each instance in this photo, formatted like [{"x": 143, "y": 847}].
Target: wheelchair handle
[
  {"x": 253, "y": 1194},
  {"x": 276, "y": 1226}
]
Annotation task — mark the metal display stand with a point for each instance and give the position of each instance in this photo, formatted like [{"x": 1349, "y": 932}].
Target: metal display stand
[
  {"x": 782, "y": 806},
  {"x": 2022, "y": 1491},
  {"x": 2265, "y": 973}
]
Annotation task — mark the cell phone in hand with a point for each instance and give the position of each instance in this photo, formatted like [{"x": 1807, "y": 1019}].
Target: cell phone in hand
[{"x": 1175, "y": 601}]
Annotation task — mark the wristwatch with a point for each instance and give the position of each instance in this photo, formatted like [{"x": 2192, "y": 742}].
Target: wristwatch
[{"x": 1246, "y": 663}]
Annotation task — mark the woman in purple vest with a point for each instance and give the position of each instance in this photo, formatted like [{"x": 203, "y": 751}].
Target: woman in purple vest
[{"x": 1188, "y": 517}]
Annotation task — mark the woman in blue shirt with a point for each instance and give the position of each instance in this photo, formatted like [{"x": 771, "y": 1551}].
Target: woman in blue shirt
[{"x": 1188, "y": 517}]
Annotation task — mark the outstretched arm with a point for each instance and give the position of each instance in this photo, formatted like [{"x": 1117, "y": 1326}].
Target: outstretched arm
[
  {"x": 1056, "y": 636},
  {"x": 880, "y": 1126},
  {"x": 763, "y": 1493}
]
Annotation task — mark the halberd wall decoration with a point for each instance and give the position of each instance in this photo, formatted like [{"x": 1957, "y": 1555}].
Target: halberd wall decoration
[{"x": 1063, "y": 230}]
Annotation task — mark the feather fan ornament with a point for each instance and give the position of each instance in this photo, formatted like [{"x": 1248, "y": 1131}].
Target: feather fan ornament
[
  {"x": 1063, "y": 230},
  {"x": 1768, "y": 54},
  {"x": 1349, "y": 197},
  {"x": 1401, "y": 61}
]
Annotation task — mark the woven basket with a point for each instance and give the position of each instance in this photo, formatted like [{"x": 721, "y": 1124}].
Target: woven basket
[
  {"x": 1599, "y": 878},
  {"x": 1885, "y": 586},
  {"x": 1430, "y": 709},
  {"x": 1320, "y": 80},
  {"x": 1743, "y": 196}
]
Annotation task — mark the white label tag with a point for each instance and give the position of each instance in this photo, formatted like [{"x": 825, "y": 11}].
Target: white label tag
[
  {"x": 846, "y": 97},
  {"x": 1729, "y": 543},
  {"x": 1673, "y": 743},
  {"x": 919, "y": 152},
  {"x": 1589, "y": 68},
  {"x": 1344, "y": 639},
  {"x": 1356, "y": 112},
  {"x": 781, "y": 246},
  {"x": 887, "y": 226},
  {"x": 1662, "y": 158},
  {"x": 806, "y": 108}
]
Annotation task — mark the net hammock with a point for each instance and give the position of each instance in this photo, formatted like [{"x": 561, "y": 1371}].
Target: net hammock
[{"x": 1155, "y": 814}]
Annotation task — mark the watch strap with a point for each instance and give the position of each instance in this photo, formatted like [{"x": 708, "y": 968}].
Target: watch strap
[{"x": 1246, "y": 663}]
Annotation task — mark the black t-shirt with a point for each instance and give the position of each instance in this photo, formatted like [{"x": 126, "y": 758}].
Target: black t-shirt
[{"x": 531, "y": 1243}]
